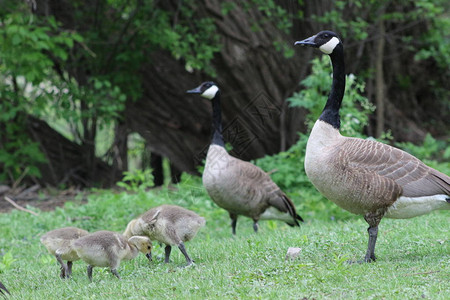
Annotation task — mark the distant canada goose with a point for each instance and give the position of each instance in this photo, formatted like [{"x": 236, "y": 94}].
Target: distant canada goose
[
  {"x": 107, "y": 249},
  {"x": 168, "y": 224},
  {"x": 362, "y": 176},
  {"x": 58, "y": 242},
  {"x": 238, "y": 186},
  {"x": 2, "y": 287}
]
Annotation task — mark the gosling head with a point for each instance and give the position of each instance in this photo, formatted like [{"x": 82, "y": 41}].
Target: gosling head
[
  {"x": 327, "y": 41},
  {"x": 143, "y": 244},
  {"x": 207, "y": 90}
]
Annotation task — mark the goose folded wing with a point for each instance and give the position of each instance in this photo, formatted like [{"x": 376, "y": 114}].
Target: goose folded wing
[{"x": 414, "y": 177}]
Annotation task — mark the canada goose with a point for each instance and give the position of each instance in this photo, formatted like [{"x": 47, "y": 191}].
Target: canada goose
[
  {"x": 58, "y": 242},
  {"x": 238, "y": 186},
  {"x": 2, "y": 287},
  {"x": 168, "y": 224},
  {"x": 362, "y": 176},
  {"x": 107, "y": 249}
]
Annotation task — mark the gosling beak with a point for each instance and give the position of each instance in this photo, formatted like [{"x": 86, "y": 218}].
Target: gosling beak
[
  {"x": 194, "y": 91},
  {"x": 307, "y": 42},
  {"x": 149, "y": 256}
]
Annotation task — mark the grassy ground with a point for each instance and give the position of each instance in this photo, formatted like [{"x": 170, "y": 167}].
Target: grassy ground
[{"x": 413, "y": 256}]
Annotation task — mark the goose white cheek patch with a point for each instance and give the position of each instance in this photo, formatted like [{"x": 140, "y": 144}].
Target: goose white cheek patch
[
  {"x": 329, "y": 46},
  {"x": 211, "y": 92}
]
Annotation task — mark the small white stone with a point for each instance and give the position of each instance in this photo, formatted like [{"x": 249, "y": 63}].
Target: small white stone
[{"x": 293, "y": 253}]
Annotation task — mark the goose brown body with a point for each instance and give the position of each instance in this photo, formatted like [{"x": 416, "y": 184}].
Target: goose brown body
[
  {"x": 372, "y": 175},
  {"x": 242, "y": 188}
]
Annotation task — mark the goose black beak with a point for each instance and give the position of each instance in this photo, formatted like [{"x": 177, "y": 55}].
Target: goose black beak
[
  {"x": 194, "y": 91},
  {"x": 307, "y": 42}
]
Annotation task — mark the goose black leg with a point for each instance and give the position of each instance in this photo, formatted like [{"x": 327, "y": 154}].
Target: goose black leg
[
  {"x": 167, "y": 251},
  {"x": 373, "y": 219},
  {"x": 183, "y": 250},
  {"x": 233, "y": 223},
  {"x": 370, "y": 255}
]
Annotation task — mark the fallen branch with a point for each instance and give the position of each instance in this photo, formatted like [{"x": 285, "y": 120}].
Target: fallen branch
[{"x": 19, "y": 207}]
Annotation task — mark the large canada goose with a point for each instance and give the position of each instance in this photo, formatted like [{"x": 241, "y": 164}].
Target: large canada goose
[
  {"x": 58, "y": 243},
  {"x": 238, "y": 186},
  {"x": 171, "y": 225},
  {"x": 362, "y": 176},
  {"x": 107, "y": 249},
  {"x": 2, "y": 287}
]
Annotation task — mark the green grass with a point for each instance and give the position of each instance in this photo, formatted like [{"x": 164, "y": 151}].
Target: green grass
[{"x": 413, "y": 255}]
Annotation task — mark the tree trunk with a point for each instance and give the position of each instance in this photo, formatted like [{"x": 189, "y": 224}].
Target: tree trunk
[
  {"x": 379, "y": 79},
  {"x": 65, "y": 159}
]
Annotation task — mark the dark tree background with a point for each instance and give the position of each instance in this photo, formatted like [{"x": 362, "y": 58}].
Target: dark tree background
[{"x": 155, "y": 50}]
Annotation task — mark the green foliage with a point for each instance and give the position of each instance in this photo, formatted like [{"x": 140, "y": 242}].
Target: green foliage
[
  {"x": 137, "y": 180},
  {"x": 355, "y": 107},
  {"x": 28, "y": 51},
  {"x": 7, "y": 262},
  {"x": 433, "y": 152}
]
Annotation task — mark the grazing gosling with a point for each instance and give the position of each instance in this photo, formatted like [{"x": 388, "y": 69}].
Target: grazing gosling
[
  {"x": 168, "y": 224},
  {"x": 108, "y": 249},
  {"x": 2, "y": 287},
  {"x": 58, "y": 243}
]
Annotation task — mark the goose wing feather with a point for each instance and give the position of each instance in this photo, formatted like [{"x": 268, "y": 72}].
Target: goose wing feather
[{"x": 380, "y": 160}]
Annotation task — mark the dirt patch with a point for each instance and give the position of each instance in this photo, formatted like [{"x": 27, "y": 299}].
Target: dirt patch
[{"x": 44, "y": 199}]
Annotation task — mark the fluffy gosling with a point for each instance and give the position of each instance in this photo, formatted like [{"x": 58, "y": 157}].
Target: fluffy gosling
[
  {"x": 58, "y": 243},
  {"x": 108, "y": 249},
  {"x": 168, "y": 224}
]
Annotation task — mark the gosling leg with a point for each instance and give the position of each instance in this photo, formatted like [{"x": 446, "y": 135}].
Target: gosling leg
[
  {"x": 69, "y": 268},
  {"x": 114, "y": 271},
  {"x": 64, "y": 270},
  {"x": 167, "y": 251},
  {"x": 183, "y": 250},
  {"x": 89, "y": 272}
]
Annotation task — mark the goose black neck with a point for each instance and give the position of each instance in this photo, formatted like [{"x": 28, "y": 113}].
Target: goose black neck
[
  {"x": 217, "y": 121},
  {"x": 330, "y": 113}
]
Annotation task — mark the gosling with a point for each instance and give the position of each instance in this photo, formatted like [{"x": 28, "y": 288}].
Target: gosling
[
  {"x": 108, "y": 249},
  {"x": 58, "y": 243},
  {"x": 168, "y": 224}
]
